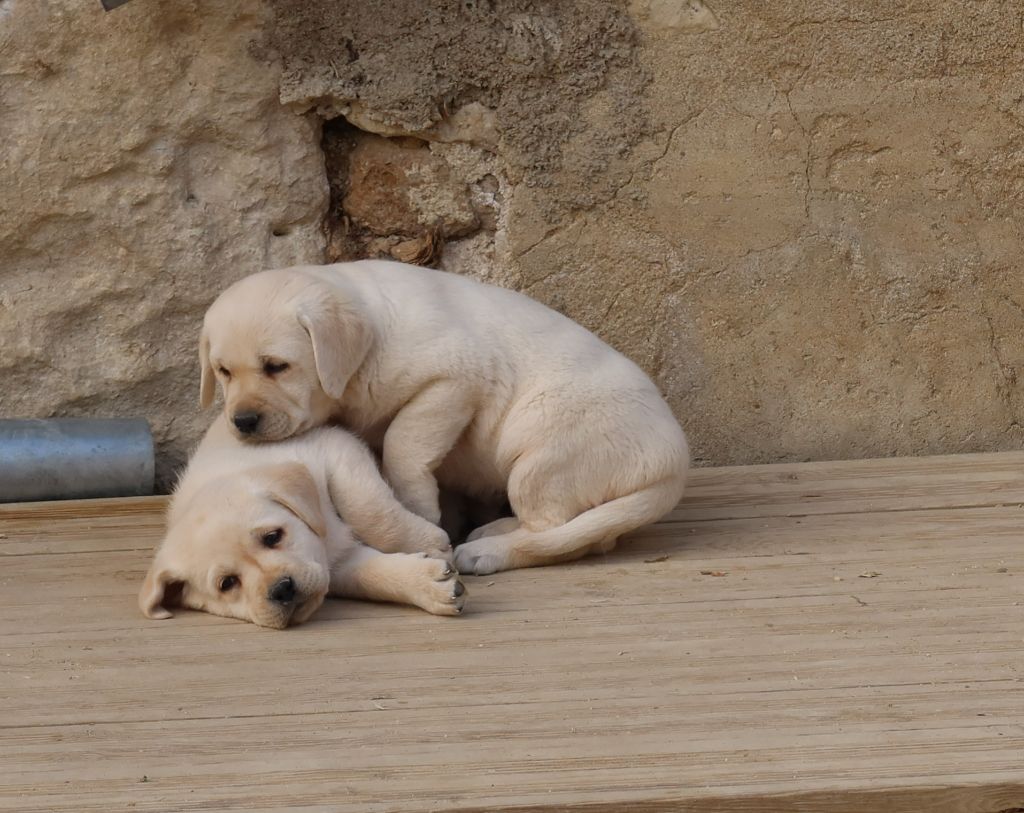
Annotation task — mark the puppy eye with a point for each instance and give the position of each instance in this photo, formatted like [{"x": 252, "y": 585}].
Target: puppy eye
[
  {"x": 271, "y": 538},
  {"x": 224, "y": 371},
  {"x": 275, "y": 367},
  {"x": 229, "y": 583}
]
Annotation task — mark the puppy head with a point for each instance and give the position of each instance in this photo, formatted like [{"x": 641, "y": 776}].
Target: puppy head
[
  {"x": 282, "y": 345},
  {"x": 248, "y": 546}
]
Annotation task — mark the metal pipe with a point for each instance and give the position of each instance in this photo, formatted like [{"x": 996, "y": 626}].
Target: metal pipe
[{"x": 74, "y": 458}]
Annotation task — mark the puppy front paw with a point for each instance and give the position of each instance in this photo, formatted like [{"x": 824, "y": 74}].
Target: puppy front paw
[{"x": 438, "y": 588}]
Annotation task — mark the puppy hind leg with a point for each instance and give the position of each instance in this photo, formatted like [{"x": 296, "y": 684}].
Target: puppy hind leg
[
  {"x": 499, "y": 526},
  {"x": 541, "y": 495}
]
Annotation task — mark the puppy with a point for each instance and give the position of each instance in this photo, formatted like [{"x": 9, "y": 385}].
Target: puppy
[
  {"x": 458, "y": 382},
  {"x": 254, "y": 533}
]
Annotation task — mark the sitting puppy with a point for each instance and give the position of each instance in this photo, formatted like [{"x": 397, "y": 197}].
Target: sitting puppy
[
  {"x": 253, "y": 533},
  {"x": 455, "y": 381}
]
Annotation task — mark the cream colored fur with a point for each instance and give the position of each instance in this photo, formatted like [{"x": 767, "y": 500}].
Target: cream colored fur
[
  {"x": 458, "y": 382},
  {"x": 234, "y": 497}
]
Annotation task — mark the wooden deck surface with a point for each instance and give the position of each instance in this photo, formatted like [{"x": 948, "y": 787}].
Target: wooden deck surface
[{"x": 820, "y": 637}]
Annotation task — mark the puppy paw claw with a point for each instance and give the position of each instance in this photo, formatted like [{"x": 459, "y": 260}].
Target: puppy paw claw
[{"x": 444, "y": 593}]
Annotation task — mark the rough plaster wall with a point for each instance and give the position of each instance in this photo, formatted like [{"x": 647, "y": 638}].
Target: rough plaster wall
[
  {"x": 844, "y": 190},
  {"x": 403, "y": 65},
  {"x": 147, "y": 162},
  {"x": 802, "y": 219}
]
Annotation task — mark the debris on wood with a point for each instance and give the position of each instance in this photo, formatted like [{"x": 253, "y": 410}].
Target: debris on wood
[
  {"x": 714, "y": 573},
  {"x": 871, "y": 574},
  {"x": 656, "y": 559}
]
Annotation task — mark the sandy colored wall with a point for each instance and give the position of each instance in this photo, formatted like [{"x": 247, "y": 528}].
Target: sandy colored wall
[{"x": 803, "y": 220}]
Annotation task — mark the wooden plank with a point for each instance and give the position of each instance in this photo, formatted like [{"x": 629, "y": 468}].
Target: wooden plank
[
  {"x": 846, "y": 660},
  {"x": 791, "y": 489},
  {"x": 896, "y": 484},
  {"x": 410, "y": 761},
  {"x": 131, "y": 523}
]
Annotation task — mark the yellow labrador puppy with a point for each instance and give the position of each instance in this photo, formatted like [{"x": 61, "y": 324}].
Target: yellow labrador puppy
[
  {"x": 458, "y": 382},
  {"x": 254, "y": 533}
]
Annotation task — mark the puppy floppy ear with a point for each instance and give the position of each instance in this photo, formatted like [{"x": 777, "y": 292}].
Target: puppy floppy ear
[
  {"x": 159, "y": 590},
  {"x": 291, "y": 485},
  {"x": 341, "y": 338},
  {"x": 207, "y": 381}
]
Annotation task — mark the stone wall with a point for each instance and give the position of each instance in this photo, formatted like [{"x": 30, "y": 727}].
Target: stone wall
[
  {"x": 803, "y": 220},
  {"x": 146, "y": 163}
]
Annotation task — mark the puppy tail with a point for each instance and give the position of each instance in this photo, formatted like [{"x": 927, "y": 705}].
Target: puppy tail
[
  {"x": 594, "y": 530},
  {"x": 604, "y": 523}
]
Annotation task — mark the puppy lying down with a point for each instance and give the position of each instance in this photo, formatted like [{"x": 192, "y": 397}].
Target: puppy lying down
[{"x": 254, "y": 532}]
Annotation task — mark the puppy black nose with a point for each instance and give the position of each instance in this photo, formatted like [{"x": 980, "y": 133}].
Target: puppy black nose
[
  {"x": 246, "y": 422},
  {"x": 283, "y": 591}
]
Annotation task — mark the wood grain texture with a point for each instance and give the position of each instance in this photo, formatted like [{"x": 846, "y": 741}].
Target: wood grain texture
[{"x": 862, "y": 650}]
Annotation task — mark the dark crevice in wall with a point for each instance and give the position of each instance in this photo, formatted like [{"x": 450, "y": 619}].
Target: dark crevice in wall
[{"x": 399, "y": 198}]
